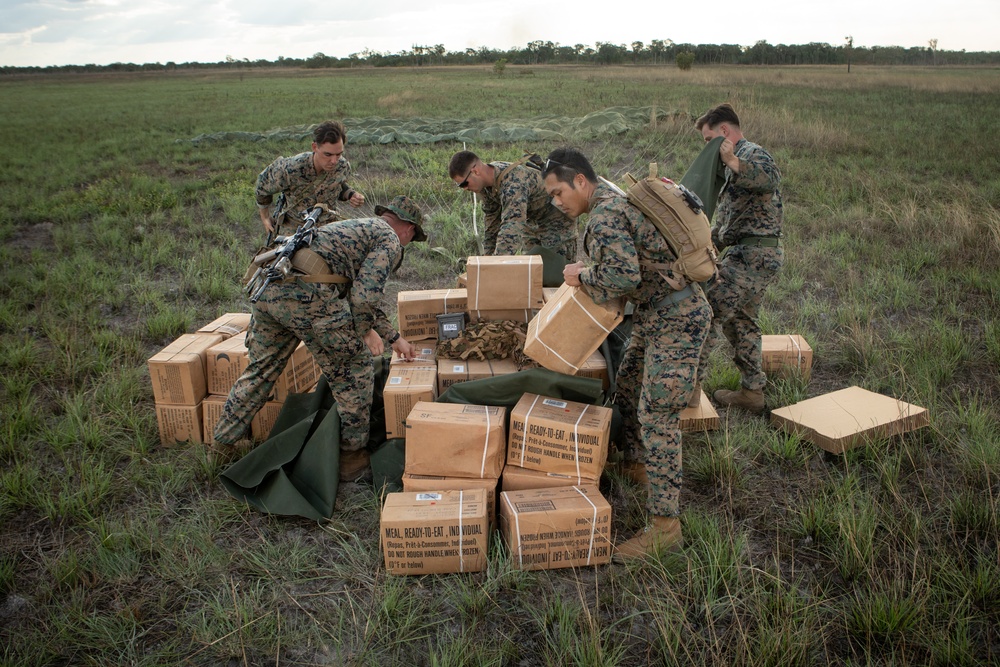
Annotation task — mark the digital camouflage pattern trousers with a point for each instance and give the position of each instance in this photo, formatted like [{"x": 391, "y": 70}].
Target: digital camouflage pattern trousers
[
  {"x": 744, "y": 275},
  {"x": 655, "y": 381},
  {"x": 285, "y": 314}
]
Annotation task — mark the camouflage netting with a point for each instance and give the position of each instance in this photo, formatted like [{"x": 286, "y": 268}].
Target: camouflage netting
[
  {"x": 614, "y": 120},
  {"x": 489, "y": 340}
]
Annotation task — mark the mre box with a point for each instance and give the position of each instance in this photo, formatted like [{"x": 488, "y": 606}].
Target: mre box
[
  {"x": 569, "y": 328},
  {"x": 227, "y": 360},
  {"x": 435, "y": 531},
  {"x": 551, "y": 528},
  {"x": 178, "y": 370},
  {"x": 404, "y": 388},
  {"x": 553, "y": 435},
  {"x": 440, "y": 483},
  {"x": 785, "y": 356},
  {"x": 228, "y": 325},
  {"x": 456, "y": 440},
  {"x": 504, "y": 282},
  {"x": 417, "y": 311},
  {"x": 516, "y": 478},
  {"x": 179, "y": 423},
  {"x": 844, "y": 419}
]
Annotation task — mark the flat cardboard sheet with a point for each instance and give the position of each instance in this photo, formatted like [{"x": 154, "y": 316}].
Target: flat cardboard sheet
[{"x": 844, "y": 419}]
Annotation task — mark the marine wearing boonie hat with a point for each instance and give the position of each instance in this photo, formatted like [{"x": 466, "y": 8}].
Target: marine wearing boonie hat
[{"x": 407, "y": 210}]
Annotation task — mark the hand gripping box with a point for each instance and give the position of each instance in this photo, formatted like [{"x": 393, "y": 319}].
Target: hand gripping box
[
  {"x": 504, "y": 282},
  {"x": 564, "y": 437},
  {"x": 177, "y": 372},
  {"x": 551, "y": 528},
  {"x": 844, "y": 419},
  {"x": 569, "y": 328},
  {"x": 439, "y": 483},
  {"x": 404, "y": 388},
  {"x": 228, "y": 325},
  {"x": 417, "y": 311},
  {"x": 434, "y": 532},
  {"x": 456, "y": 440},
  {"x": 786, "y": 355}
]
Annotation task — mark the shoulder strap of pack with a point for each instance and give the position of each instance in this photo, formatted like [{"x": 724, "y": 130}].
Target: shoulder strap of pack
[{"x": 509, "y": 168}]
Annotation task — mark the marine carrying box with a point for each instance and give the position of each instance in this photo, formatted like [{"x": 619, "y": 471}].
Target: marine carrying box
[
  {"x": 504, "y": 282},
  {"x": 440, "y": 483},
  {"x": 569, "y": 328},
  {"x": 843, "y": 419},
  {"x": 417, "y": 311},
  {"x": 786, "y": 355},
  {"x": 552, "y": 528},
  {"x": 404, "y": 388},
  {"x": 177, "y": 372},
  {"x": 456, "y": 440},
  {"x": 553, "y": 435},
  {"x": 434, "y": 532}
]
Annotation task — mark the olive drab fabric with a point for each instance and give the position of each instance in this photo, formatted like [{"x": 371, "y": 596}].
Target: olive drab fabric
[{"x": 706, "y": 176}]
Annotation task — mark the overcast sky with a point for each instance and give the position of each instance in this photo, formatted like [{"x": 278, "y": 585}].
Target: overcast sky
[{"x": 78, "y": 32}]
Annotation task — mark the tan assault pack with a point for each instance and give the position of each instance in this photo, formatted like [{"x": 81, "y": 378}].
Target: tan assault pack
[{"x": 677, "y": 213}]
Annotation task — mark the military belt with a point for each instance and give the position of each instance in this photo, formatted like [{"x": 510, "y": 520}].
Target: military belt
[
  {"x": 760, "y": 242},
  {"x": 673, "y": 297}
]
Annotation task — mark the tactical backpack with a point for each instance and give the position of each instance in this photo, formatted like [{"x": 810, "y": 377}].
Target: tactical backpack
[{"x": 677, "y": 213}]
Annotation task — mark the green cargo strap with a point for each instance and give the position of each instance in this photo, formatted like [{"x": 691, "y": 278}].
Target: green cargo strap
[
  {"x": 760, "y": 242},
  {"x": 673, "y": 297}
]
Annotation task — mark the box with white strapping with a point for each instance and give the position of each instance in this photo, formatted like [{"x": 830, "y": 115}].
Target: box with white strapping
[
  {"x": 504, "y": 282},
  {"x": 786, "y": 355},
  {"x": 405, "y": 387},
  {"x": 456, "y": 440},
  {"x": 417, "y": 311}
]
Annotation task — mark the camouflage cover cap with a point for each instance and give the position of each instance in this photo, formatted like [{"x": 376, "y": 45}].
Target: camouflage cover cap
[{"x": 406, "y": 209}]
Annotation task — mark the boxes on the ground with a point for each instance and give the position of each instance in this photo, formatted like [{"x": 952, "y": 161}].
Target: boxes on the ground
[
  {"x": 435, "y": 531},
  {"x": 425, "y": 357},
  {"x": 177, "y": 371},
  {"x": 404, "y": 388},
  {"x": 570, "y": 328},
  {"x": 263, "y": 421},
  {"x": 480, "y": 316},
  {"x": 702, "y": 418},
  {"x": 227, "y": 360},
  {"x": 211, "y": 412},
  {"x": 553, "y": 435},
  {"x": 844, "y": 419},
  {"x": 417, "y": 311},
  {"x": 786, "y": 355},
  {"x": 456, "y": 440},
  {"x": 451, "y": 371},
  {"x": 595, "y": 366},
  {"x": 504, "y": 282},
  {"x": 463, "y": 281},
  {"x": 415, "y": 483},
  {"x": 228, "y": 325},
  {"x": 179, "y": 423},
  {"x": 516, "y": 478},
  {"x": 561, "y": 527}
]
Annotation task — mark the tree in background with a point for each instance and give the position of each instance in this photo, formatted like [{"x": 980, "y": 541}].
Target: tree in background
[
  {"x": 850, "y": 45},
  {"x": 684, "y": 60}
]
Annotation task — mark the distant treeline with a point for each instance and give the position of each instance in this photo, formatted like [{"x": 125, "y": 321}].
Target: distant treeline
[{"x": 657, "y": 52}]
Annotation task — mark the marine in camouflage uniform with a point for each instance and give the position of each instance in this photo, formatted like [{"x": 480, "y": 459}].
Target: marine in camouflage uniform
[
  {"x": 516, "y": 208},
  {"x": 294, "y": 185},
  {"x": 658, "y": 371},
  {"x": 747, "y": 231},
  {"x": 339, "y": 323}
]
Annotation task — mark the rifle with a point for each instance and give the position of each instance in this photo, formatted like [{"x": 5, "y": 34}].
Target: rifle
[{"x": 280, "y": 258}]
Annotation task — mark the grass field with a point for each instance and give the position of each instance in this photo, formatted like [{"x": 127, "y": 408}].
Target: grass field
[{"x": 117, "y": 234}]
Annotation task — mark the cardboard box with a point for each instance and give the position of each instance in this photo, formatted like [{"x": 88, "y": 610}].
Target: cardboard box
[
  {"x": 414, "y": 483},
  {"x": 553, "y": 435},
  {"x": 177, "y": 372},
  {"x": 551, "y": 528},
  {"x": 228, "y": 325},
  {"x": 211, "y": 412},
  {"x": 505, "y": 282},
  {"x": 404, "y": 388},
  {"x": 179, "y": 423},
  {"x": 844, "y": 419},
  {"x": 479, "y": 316},
  {"x": 425, "y": 357},
  {"x": 548, "y": 293},
  {"x": 702, "y": 418},
  {"x": 595, "y": 366},
  {"x": 516, "y": 478},
  {"x": 786, "y": 355},
  {"x": 417, "y": 311},
  {"x": 434, "y": 532},
  {"x": 456, "y": 440},
  {"x": 463, "y": 281},
  {"x": 569, "y": 329},
  {"x": 263, "y": 421},
  {"x": 227, "y": 360}
]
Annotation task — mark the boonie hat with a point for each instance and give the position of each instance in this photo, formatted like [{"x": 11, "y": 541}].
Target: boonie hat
[{"x": 405, "y": 209}]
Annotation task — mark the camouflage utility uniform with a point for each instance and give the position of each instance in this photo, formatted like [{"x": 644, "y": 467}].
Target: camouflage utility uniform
[
  {"x": 657, "y": 373},
  {"x": 747, "y": 230},
  {"x": 299, "y": 188},
  {"x": 519, "y": 215},
  {"x": 330, "y": 319}
]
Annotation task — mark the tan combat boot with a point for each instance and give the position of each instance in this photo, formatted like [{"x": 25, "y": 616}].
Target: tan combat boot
[
  {"x": 695, "y": 399},
  {"x": 751, "y": 400},
  {"x": 355, "y": 466},
  {"x": 662, "y": 534},
  {"x": 636, "y": 471}
]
